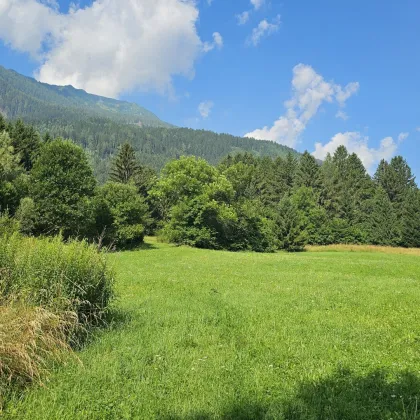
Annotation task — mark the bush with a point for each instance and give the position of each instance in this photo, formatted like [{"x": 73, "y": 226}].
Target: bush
[
  {"x": 26, "y": 215},
  {"x": 8, "y": 225},
  {"x": 57, "y": 276},
  {"x": 121, "y": 214}
]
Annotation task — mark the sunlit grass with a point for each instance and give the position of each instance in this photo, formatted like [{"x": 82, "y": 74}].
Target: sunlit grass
[
  {"x": 209, "y": 334},
  {"x": 365, "y": 248}
]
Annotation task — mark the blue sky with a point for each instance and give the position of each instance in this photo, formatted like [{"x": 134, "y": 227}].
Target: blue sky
[{"x": 328, "y": 72}]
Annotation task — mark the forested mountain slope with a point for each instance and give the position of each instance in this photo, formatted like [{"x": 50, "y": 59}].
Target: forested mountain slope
[{"x": 100, "y": 125}]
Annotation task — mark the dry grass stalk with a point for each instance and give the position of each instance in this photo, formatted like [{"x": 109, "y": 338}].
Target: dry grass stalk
[
  {"x": 364, "y": 248},
  {"x": 31, "y": 339}
]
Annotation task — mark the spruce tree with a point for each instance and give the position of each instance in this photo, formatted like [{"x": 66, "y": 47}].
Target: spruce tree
[
  {"x": 289, "y": 171},
  {"x": 307, "y": 174},
  {"x": 3, "y": 124},
  {"x": 410, "y": 221},
  {"x": 26, "y": 142},
  {"x": 125, "y": 166},
  {"x": 381, "y": 222}
]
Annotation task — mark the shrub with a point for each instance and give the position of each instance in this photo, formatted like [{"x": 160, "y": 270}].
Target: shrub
[
  {"x": 60, "y": 277},
  {"x": 121, "y": 214},
  {"x": 8, "y": 225},
  {"x": 26, "y": 215}
]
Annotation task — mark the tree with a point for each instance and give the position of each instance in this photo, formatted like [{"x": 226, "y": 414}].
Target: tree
[
  {"x": 194, "y": 201},
  {"x": 410, "y": 221},
  {"x": 308, "y": 172},
  {"x": 289, "y": 170},
  {"x": 26, "y": 215},
  {"x": 125, "y": 166},
  {"x": 183, "y": 179},
  {"x": 26, "y": 142},
  {"x": 62, "y": 184},
  {"x": 10, "y": 170},
  {"x": 144, "y": 180},
  {"x": 292, "y": 226},
  {"x": 121, "y": 214},
  {"x": 396, "y": 178},
  {"x": 3, "y": 123},
  {"x": 381, "y": 223}
]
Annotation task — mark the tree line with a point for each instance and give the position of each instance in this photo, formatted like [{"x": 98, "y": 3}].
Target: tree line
[{"x": 245, "y": 202}]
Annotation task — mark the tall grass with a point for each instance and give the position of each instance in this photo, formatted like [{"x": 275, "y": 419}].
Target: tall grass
[
  {"x": 31, "y": 339},
  {"x": 58, "y": 276},
  {"x": 50, "y": 292}
]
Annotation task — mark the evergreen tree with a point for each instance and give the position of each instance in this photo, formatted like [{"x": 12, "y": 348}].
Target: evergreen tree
[
  {"x": 308, "y": 172},
  {"x": 292, "y": 226},
  {"x": 26, "y": 142},
  {"x": 3, "y": 124},
  {"x": 396, "y": 179},
  {"x": 10, "y": 172},
  {"x": 125, "y": 166},
  {"x": 381, "y": 222},
  {"x": 289, "y": 170},
  {"x": 410, "y": 221}
]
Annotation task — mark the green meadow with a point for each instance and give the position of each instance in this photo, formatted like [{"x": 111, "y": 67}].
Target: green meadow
[{"x": 200, "y": 334}]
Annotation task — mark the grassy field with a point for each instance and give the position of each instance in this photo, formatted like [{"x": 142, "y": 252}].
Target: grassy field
[{"x": 207, "y": 334}]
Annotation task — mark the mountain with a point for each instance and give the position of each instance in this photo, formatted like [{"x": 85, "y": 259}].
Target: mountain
[
  {"x": 101, "y": 124},
  {"x": 22, "y": 96}
]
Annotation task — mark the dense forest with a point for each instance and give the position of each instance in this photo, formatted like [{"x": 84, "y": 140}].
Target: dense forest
[
  {"x": 245, "y": 202},
  {"x": 100, "y": 125}
]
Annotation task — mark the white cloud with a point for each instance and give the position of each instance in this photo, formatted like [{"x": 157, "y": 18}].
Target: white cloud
[
  {"x": 357, "y": 143},
  {"x": 343, "y": 94},
  {"x": 217, "y": 43},
  {"x": 205, "y": 108},
  {"x": 342, "y": 115},
  {"x": 109, "y": 47},
  {"x": 403, "y": 136},
  {"x": 257, "y": 3},
  {"x": 243, "y": 17},
  {"x": 309, "y": 92},
  {"x": 264, "y": 29},
  {"x": 26, "y": 24}
]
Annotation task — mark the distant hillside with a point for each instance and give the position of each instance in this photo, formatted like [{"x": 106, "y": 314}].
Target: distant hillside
[
  {"x": 22, "y": 96},
  {"x": 100, "y": 125}
]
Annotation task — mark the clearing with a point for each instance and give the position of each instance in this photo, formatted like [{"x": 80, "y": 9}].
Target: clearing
[{"x": 209, "y": 334}]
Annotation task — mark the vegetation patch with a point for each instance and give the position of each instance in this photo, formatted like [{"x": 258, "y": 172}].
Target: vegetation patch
[{"x": 223, "y": 335}]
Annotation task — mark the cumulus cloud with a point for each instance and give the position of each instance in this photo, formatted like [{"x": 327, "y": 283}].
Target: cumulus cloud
[
  {"x": 26, "y": 24},
  {"x": 205, "y": 108},
  {"x": 309, "y": 92},
  {"x": 217, "y": 43},
  {"x": 355, "y": 142},
  {"x": 109, "y": 47},
  {"x": 243, "y": 17},
  {"x": 264, "y": 29}
]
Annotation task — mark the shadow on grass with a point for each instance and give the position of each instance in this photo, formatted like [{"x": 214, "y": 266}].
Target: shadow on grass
[
  {"x": 244, "y": 411},
  {"x": 341, "y": 396},
  {"x": 345, "y": 395}
]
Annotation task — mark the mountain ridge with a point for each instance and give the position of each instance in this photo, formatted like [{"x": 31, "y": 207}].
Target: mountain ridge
[
  {"x": 100, "y": 125},
  {"x": 13, "y": 83}
]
